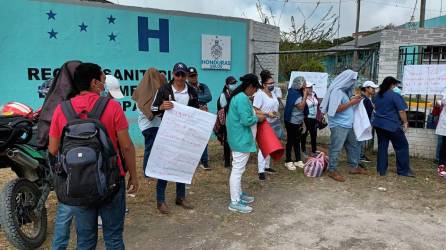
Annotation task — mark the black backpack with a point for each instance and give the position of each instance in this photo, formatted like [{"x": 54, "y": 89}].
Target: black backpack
[{"x": 88, "y": 174}]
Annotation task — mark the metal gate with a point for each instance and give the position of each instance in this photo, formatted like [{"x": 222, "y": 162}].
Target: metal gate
[{"x": 420, "y": 106}]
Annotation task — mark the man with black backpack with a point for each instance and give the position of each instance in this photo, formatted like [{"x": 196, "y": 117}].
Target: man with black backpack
[{"x": 87, "y": 134}]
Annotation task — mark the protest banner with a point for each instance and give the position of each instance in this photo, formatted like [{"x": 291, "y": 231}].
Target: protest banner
[
  {"x": 320, "y": 81},
  {"x": 424, "y": 79},
  {"x": 183, "y": 134}
]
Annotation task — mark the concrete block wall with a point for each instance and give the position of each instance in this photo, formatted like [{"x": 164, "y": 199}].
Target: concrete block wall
[
  {"x": 264, "y": 38},
  {"x": 422, "y": 143},
  {"x": 392, "y": 40}
]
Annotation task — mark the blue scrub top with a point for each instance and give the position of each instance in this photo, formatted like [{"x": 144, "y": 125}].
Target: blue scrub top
[{"x": 387, "y": 108}]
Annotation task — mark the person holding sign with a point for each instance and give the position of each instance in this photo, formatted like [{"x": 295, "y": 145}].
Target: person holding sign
[
  {"x": 294, "y": 115},
  {"x": 266, "y": 102},
  {"x": 177, "y": 90},
  {"x": 241, "y": 117},
  {"x": 339, "y": 108},
  {"x": 390, "y": 123}
]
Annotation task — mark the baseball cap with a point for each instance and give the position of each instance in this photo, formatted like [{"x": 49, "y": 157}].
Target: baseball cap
[
  {"x": 230, "y": 80},
  {"x": 371, "y": 84},
  {"x": 309, "y": 84},
  {"x": 180, "y": 67},
  {"x": 192, "y": 71},
  {"x": 112, "y": 86}
]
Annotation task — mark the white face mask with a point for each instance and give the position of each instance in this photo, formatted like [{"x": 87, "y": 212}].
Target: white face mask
[{"x": 232, "y": 87}]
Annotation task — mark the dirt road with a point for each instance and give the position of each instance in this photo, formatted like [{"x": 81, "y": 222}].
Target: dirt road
[{"x": 293, "y": 212}]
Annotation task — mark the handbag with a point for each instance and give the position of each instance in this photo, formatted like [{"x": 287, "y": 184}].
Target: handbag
[{"x": 316, "y": 166}]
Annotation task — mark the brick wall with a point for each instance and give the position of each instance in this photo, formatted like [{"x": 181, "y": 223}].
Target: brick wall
[
  {"x": 422, "y": 142},
  {"x": 392, "y": 40},
  {"x": 264, "y": 38}
]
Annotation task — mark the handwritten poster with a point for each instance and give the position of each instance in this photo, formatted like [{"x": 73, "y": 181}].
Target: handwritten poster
[
  {"x": 183, "y": 134},
  {"x": 320, "y": 81},
  {"x": 424, "y": 79}
]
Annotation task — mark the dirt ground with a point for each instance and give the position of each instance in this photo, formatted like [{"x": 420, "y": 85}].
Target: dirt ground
[{"x": 291, "y": 212}]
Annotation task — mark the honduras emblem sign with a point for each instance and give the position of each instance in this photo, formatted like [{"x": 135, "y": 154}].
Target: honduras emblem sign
[{"x": 215, "y": 52}]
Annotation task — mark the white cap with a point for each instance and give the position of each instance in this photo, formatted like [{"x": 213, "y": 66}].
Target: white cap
[
  {"x": 309, "y": 84},
  {"x": 371, "y": 84},
  {"x": 112, "y": 86}
]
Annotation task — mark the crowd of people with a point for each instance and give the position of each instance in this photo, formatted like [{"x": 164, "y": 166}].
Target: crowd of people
[{"x": 240, "y": 107}]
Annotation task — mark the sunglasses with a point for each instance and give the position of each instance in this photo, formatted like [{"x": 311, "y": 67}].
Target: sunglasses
[{"x": 180, "y": 74}]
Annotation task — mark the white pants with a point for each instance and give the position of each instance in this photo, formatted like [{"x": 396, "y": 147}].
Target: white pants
[
  {"x": 239, "y": 162},
  {"x": 263, "y": 163}
]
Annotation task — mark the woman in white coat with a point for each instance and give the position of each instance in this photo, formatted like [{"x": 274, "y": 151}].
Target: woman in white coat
[{"x": 441, "y": 131}]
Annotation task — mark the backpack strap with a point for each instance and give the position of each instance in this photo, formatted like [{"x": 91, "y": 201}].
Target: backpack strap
[
  {"x": 99, "y": 108},
  {"x": 68, "y": 111}
]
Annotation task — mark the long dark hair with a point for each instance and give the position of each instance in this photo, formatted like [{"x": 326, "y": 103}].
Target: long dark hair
[
  {"x": 386, "y": 85},
  {"x": 247, "y": 80}
]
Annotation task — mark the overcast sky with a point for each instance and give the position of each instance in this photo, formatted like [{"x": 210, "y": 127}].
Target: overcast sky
[{"x": 373, "y": 12}]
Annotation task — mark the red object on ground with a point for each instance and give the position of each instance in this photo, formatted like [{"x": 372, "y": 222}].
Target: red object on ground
[{"x": 268, "y": 142}]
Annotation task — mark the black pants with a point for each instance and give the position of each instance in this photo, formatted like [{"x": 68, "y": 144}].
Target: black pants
[
  {"x": 443, "y": 151},
  {"x": 293, "y": 134},
  {"x": 226, "y": 150},
  {"x": 311, "y": 124}
]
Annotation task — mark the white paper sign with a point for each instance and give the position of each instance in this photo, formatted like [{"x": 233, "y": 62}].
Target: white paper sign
[
  {"x": 216, "y": 52},
  {"x": 320, "y": 81},
  {"x": 424, "y": 79},
  {"x": 183, "y": 134}
]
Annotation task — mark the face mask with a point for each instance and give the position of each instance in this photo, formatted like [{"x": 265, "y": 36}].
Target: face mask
[
  {"x": 232, "y": 87},
  {"x": 271, "y": 87}
]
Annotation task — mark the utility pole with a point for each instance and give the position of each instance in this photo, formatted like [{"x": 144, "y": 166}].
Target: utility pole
[
  {"x": 355, "y": 53},
  {"x": 422, "y": 13},
  {"x": 358, "y": 13}
]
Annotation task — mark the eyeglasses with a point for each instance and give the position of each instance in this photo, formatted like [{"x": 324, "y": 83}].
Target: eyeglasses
[{"x": 180, "y": 74}]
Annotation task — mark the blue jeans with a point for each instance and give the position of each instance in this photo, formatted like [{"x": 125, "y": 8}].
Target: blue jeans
[
  {"x": 62, "y": 226},
  {"x": 161, "y": 190},
  {"x": 149, "y": 138},
  {"x": 439, "y": 144},
  {"x": 204, "y": 157},
  {"x": 343, "y": 137},
  {"x": 112, "y": 215},
  {"x": 401, "y": 147}
]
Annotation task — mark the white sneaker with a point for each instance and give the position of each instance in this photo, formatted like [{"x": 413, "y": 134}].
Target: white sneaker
[
  {"x": 299, "y": 164},
  {"x": 290, "y": 166}
]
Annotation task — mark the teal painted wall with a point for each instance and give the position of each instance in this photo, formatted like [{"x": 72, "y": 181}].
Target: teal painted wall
[
  {"x": 26, "y": 42},
  {"x": 430, "y": 23}
]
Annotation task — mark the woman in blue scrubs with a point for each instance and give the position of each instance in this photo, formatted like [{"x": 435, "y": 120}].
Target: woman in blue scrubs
[{"x": 390, "y": 123}]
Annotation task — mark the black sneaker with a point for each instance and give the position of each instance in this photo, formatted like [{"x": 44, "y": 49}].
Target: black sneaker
[
  {"x": 365, "y": 159},
  {"x": 205, "y": 167},
  {"x": 262, "y": 176},
  {"x": 270, "y": 171}
]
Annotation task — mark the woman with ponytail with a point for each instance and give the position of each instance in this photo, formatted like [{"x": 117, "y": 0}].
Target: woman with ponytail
[{"x": 240, "y": 119}]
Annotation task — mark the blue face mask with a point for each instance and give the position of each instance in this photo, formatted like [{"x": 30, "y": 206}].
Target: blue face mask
[{"x": 232, "y": 87}]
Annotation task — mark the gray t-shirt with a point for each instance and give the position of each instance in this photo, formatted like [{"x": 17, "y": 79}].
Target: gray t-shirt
[{"x": 297, "y": 115}]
